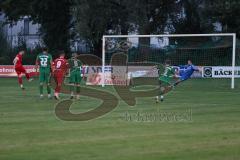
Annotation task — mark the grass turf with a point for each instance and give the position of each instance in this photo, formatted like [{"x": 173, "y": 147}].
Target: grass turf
[{"x": 29, "y": 128}]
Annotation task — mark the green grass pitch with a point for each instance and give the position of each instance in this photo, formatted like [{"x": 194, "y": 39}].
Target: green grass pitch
[{"x": 30, "y": 130}]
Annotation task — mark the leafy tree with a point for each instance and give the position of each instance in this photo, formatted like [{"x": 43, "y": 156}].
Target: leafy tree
[
  {"x": 153, "y": 17},
  {"x": 92, "y": 19},
  {"x": 225, "y": 12},
  {"x": 99, "y": 17},
  {"x": 5, "y": 49},
  {"x": 53, "y": 15},
  {"x": 95, "y": 18}
]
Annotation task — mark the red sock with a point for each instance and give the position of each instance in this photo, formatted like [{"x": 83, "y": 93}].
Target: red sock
[
  {"x": 27, "y": 75},
  {"x": 20, "y": 80},
  {"x": 58, "y": 88}
]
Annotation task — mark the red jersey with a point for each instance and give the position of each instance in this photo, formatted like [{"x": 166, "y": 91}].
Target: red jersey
[
  {"x": 19, "y": 61},
  {"x": 60, "y": 64}
]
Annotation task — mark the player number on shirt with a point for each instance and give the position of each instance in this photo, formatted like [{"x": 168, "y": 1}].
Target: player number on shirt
[
  {"x": 59, "y": 63},
  {"x": 165, "y": 72},
  {"x": 43, "y": 62},
  {"x": 75, "y": 63}
]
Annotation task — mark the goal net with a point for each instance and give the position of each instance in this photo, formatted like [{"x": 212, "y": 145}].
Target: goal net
[{"x": 136, "y": 55}]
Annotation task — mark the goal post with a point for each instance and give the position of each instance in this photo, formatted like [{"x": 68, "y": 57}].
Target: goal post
[
  {"x": 233, "y": 60},
  {"x": 231, "y": 35}
]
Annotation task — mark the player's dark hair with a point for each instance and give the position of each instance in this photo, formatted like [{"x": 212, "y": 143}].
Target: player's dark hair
[
  {"x": 61, "y": 52},
  {"x": 21, "y": 49},
  {"x": 45, "y": 49}
]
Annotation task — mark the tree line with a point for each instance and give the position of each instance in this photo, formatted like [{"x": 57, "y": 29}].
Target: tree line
[{"x": 63, "y": 21}]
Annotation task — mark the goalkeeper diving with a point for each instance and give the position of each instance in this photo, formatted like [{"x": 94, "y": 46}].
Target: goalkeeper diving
[
  {"x": 185, "y": 72},
  {"x": 173, "y": 76}
]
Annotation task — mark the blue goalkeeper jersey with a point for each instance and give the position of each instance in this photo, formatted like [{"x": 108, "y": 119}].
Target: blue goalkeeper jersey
[{"x": 187, "y": 71}]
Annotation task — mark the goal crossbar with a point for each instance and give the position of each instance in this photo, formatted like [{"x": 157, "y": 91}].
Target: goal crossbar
[{"x": 169, "y": 35}]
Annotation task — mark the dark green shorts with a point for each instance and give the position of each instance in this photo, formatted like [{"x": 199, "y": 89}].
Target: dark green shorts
[
  {"x": 44, "y": 76},
  {"x": 75, "y": 77},
  {"x": 165, "y": 80}
]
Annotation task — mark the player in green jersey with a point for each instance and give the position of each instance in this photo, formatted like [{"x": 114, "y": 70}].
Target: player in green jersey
[
  {"x": 75, "y": 66},
  {"x": 44, "y": 62},
  {"x": 165, "y": 79}
]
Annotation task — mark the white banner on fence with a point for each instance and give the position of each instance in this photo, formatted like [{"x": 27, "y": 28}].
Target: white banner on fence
[
  {"x": 113, "y": 75},
  {"x": 220, "y": 72}
]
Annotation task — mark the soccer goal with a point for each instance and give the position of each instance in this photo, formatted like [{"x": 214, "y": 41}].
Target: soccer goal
[{"x": 214, "y": 53}]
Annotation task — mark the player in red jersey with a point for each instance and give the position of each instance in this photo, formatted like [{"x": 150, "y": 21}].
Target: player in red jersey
[
  {"x": 60, "y": 67},
  {"x": 20, "y": 69}
]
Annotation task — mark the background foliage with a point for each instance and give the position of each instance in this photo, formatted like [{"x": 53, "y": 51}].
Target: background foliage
[{"x": 68, "y": 20}]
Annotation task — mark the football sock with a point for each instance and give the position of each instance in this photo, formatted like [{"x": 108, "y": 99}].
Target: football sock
[
  {"x": 58, "y": 88},
  {"x": 41, "y": 89},
  {"x": 27, "y": 76},
  {"x": 72, "y": 88},
  {"x": 48, "y": 89},
  {"x": 20, "y": 80},
  {"x": 78, "y": 90}
]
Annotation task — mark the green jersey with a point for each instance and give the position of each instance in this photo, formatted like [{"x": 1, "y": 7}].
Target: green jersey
[
  {"x": 44, "y": 61},
  {"x": 167, "y": 75},
  {"x": 75, "y": 65},
  {"x": 169, "y": 71}
]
